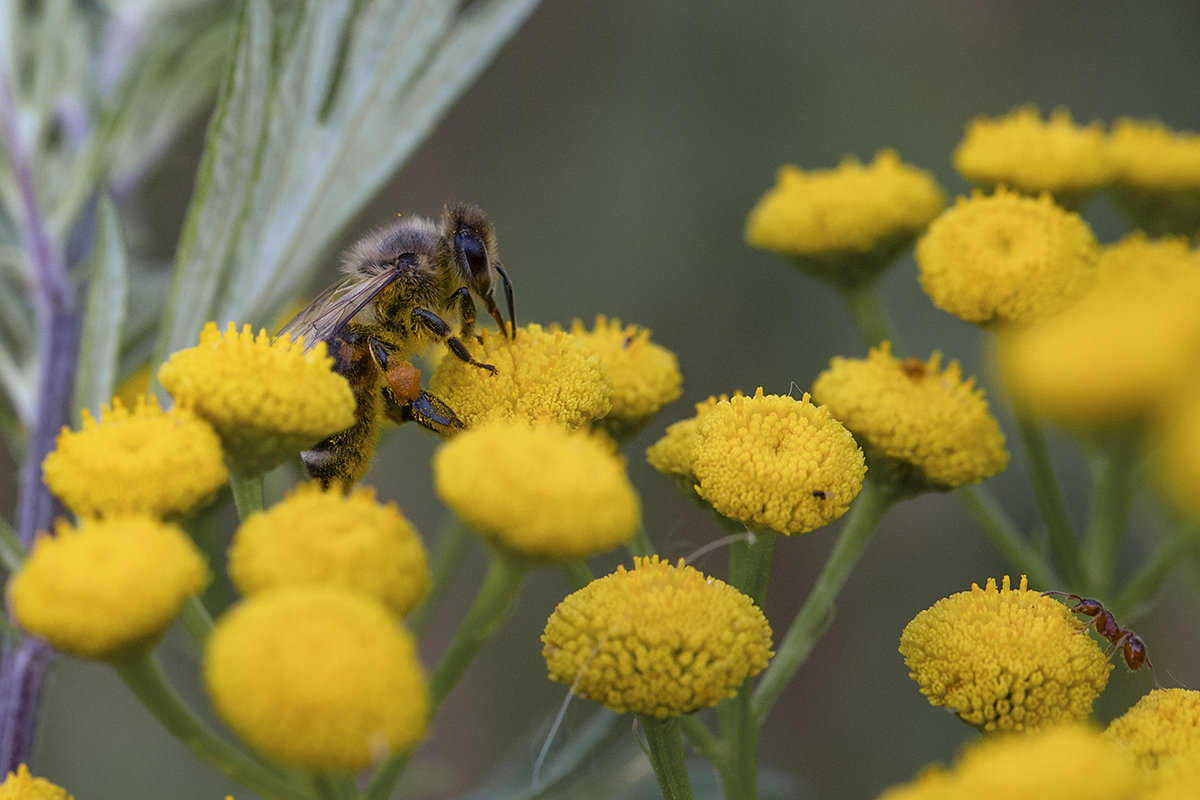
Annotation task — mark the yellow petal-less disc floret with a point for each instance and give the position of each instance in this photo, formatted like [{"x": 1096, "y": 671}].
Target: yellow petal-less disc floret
[
  {"x": 1176, "y": 446},
  {"x": 163, "y": 463},
  {"x": 645, "y": 376},
  {"x": 915, "y": 415},
  {"x": 539, "y": 490},
  {"x": 776, "y": 463},
  {"x": 20, "y": 785},
  {"x": 659, "y": 639},
  {"x": 672, "y": 454},
  {"x": 845, "y": 225},
  {"x": 540, "y": 374},
  {"x": 1005, "y": 258},
  {"x": 1005, "y": 659},
  {"x": 268, "y": 399},
  {"x": 328, "y": 538},
  {"x": 1112, "y": 357},
  {"x": 1162, "y": 727},
  {"x": 108, "y": 588},
  {"x": 1032, "y": 155},
  {"x": 1158, "y": 176},
  {"x": 317, "y": 677}
]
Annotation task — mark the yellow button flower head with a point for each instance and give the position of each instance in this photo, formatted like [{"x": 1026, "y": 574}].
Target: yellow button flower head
[
  {"x": 1110, "y": 357},
  {"x": 539, "y": 374},
  {"x": 845, "y": 225},
  {"x": 915, "y": 415},
  {"x": 776, "y": 463},
  {"x": 327, "y": 538},
  {"x": 1162, "y": 727},
  {"x": 645, "y": 376},
  {"x": 20, "y": 785},
  {"x": 1177, "y": 451},
  {"x": 1032, "y": 156},
  {"x": 1005, "y": 258},
  {"x": 267, "y": 399},
  {"x": 540, "y": 490},
  {"x": 672, "y": 454},
  {"x": 658, "y": 639},
  {"x": 1005, "y": 659},
  {"x": 1067, "y": 762},
  {"x": 1158, "y": 176},
  {"x": 317, "y": 677},
  {"x": 108, "y": 588},
  {"x": 147, "y": 460}
]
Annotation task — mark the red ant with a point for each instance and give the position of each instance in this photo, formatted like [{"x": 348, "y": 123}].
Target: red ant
[{"x": 1120, "y": 637}]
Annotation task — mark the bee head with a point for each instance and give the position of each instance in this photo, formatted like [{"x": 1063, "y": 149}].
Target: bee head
[{"x": 471, "y": 240}]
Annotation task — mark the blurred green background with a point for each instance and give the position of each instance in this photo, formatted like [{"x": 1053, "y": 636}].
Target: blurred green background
[{"x": 617, "y": 147}]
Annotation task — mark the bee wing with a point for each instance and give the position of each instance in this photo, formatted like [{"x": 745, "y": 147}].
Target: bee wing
[{"x": 326, "y": 315}]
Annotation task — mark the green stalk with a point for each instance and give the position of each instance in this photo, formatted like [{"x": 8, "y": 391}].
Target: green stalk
[
  {"x": 639, "y": 544},
  {"x": 750, "y": 564},
  {"x": 196, "y": 619},
  {"x": 1116, "y": 485},
  {"x": 817, "y": 611},
  {"x": 12, "y": 554},
  {"x": 1063, "y": 542},
  {"x": 872, "y": 320},
  {"x": 143, "y": 676},
  {"x": 1002, "y": 532},
  {"x": 247, "y": 493},
  {"x": 1185, "y": 539},
  {"x": 738, "y": 765},
  {"x": 447, "y": 558},
  {"x": 578, "y": 573},
  {"x": 666, "y": 756}
]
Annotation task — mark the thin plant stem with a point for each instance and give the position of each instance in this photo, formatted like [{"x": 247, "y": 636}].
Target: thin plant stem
[
  {"x": 1063, "y": 542},
  {"x": 1002, "y": 532},
  {"x": 700, "y": 737},
  {"x": 247, "y": 493},
  {"x": 639, "y": 544},
  {"x": 750, "y": 564},
  {"x": 666, "y": 756},
  {"x": 1116, "y": 486},
  {"x": 448, "y": 556},
  {"x": 578, "y": 573},
  {"x": 196, "y": 619},
  {"x": 869, "y": 314},
  {"x": 12, "y": 554},
  {"x": 738, "y": 765},
  {"x": 1185, "y": 540},
  {"x": 816, "y": 613}
]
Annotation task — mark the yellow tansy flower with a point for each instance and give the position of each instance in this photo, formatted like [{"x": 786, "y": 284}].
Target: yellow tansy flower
[
  {"x": 1067, "y": 762},
  {"x": 539, "y": 490},
  {"x": 1032, "y": 156},
  {"x": 147, "y": 460},
  {"x": 672, "y": 454},
  {"x": 108, "y": 588},
  {"x": 327, "y": 538},
  {"x": 1176, "y": 444},
  {"x": 1005, "y": 258},
  {"x": 1112, "y": 357},
  {"x": 845, "y": 225},
  {"x": 1005, "y": 659},
  {"x": 660, "y": 640},
  {"x": 317, "y": 677},
  {"x": 915, "y": 415},
  {"x": 540, "y": 374},
  {"x": 645, "y": 376},
  {"x": 267, "y": 399},
  {"x": 1158, "y": 176},
  {"x": 20, "y": 785},
  {"x": 1162, "y": 727},
  {"x": 776, "y": 463}
]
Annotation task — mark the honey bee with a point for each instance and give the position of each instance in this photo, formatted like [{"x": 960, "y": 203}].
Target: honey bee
[{"x": 405, "y": 285}]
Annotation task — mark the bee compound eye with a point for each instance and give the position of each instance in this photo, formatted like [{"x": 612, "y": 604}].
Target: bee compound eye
[{"x": 471, "y": 250}]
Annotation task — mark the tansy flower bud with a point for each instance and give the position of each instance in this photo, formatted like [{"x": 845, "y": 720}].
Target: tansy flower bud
[
  {"x": 1005, "y": 659},
  {"x": 1162, "y": 727},
  {"x": 20, "y": 785},
  {"x": 540, "y": 375},
  {"x": 317, "y": 677},
  {"x": 658, "y": 639},
  {"x": 163, "y": 463},
  {"x": 268, "y": 400},
  {"x": 775, "y": 462},
  {"x": 916, "y": 422},
  {"x": 845, "y": 225},
  {"x": 322, "y": 538},
  {"x": 1004, "y": 258},
  {"x": 541, "y": 490},
  {"x": 108, "y": 588}
]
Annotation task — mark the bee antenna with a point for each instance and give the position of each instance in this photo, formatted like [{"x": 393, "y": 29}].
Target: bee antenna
[{"x": 508, "y": 296}]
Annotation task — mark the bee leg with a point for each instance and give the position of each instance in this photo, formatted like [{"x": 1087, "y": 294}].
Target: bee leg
[
  {"x": 466, "y": 311},
  {"x": 432, "y": 413},
  {"x": 438, "y": 328}
]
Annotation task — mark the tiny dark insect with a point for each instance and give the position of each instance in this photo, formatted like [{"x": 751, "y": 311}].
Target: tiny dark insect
[
  {"x": 914, "y": 368},
  {"x": 1121, "y": 638},
  {"x": 820, "y": 494}
]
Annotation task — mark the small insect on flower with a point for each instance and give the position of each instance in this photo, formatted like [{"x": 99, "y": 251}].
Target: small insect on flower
[
  {"x": 405, "y": 285},
  {"x": 1121, "y": 638}
]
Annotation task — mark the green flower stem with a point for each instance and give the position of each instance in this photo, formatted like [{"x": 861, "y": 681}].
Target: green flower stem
[
  {"x": 578, "y": 573},
  {"x": 335, "y": 787},
  {"x": 492, "y": 602},
  {"x": 700, "y": 737},
  {"x": 247, "y": 493},
  {"x": 750, "y": 564},
  {"x": 143, "y": 676},
  {"x": 1183, "y": 541},
  {"x": 666, "y": 756},
  {"x": 738, "y": 764},
  {"x": 1002, "y": 532},
  {"x": 447, "y": 557},
  {"x": 196, "y": 619},
  {"x": 872, "y": 320},
  {"x": 12, "y": 554},
  {"x": 1063, "y": 542},
  {"x": 817, "y": 611},
  {"x": 640, "y": 544},
  {"x": 1116, "y": 484}
]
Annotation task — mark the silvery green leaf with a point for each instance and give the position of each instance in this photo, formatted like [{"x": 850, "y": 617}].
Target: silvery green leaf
[{"x": 104, "y": 317}]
